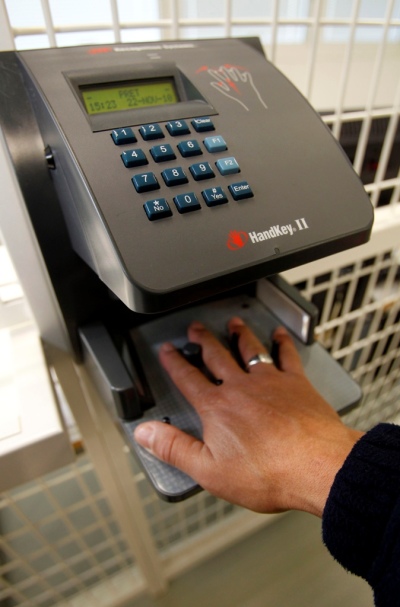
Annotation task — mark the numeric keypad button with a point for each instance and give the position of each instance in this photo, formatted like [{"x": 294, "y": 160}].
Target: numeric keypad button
[
  {"x": 187, "y": 202},
  {"x": 151, "y": 131},
  {"x": 134, "y": 158},
  {"x": 122, "y": 136},
  {"x": 201, "y": 170},
  {"x": 188, "y": 148},
  {"x": 161, "y": 153},
  {"x": 145, "y": 182},
  {"x": 175, "y": 176},
  {"x": 177, "y": 127}
]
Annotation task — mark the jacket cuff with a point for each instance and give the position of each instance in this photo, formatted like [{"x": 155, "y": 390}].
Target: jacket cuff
[{"x": 362, "y": 499}]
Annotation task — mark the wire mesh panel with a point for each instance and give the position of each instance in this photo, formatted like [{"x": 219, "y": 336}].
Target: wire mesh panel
[
  {"x": 60, "y": 541},
  {"x": 58, "y": 538},
  {"x": 359, "y": 324}
]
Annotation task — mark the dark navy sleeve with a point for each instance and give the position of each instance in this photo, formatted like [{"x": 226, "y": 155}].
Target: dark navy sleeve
[{"x": 361, "y": 519}]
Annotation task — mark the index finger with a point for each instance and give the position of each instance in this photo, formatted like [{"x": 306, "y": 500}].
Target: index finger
[{"x": 187, "y": 378}]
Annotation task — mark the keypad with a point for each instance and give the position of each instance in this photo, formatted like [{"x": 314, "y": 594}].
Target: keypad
[
  {"x": 203, "y": 124},
  {"x": 214, "y": 196},
  {"x": 177, "y": 127},
  {"x": 212, "y": 168},
  {"x": 122, "y": 136},
  {"x": 187, "y": 202},
  {"x": 189, "y": 148},
  {"x": 201, "y": 170},
  {"x": 227, "y": 166},
  {"x": 162, "y": 153},
  {"x": 134, "y": 158},
  {"x": 215, "y": 144},
  {"x": 145, "y": 182},
  {"x": 240, "y": 190},
  {"x": 151, "y": 131},
  {"x": 157, "y": 209},
  {"x": 175, "y": 176}
]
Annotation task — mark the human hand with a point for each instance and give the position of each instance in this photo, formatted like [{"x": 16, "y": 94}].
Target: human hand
[{"x": 270, "y": 441}]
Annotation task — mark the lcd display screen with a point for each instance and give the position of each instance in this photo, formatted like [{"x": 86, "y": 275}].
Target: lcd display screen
[{"x": 116, "y": 97}]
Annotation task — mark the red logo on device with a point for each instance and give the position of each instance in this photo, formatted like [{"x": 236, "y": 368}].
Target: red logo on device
[{"x": 236, "y": 240}]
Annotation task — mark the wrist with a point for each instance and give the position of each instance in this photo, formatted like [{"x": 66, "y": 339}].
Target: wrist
[{"x": 325, "y": 460}]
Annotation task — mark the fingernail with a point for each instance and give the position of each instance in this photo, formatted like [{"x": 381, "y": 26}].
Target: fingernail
[
  {"x": 236, "y": 322},
  {"x": 144, "y": 435},
  {"x": 280, "y": 331},
  {"x": 167, "y": 347},
  {"x": 197, "y": 326}
]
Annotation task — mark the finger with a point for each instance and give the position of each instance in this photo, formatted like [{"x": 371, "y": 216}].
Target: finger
[
  {"x": 233, "y": 74},
  {"x": 249, "y": 345},
  {"x": 289, "y": 358},
  {"x": 219, "y": 77},
  {"x": 189, "y": 380},
  {"x": 215, "y": 356},
  {"x": 219, "y": 86},
  {"x": 173, "y": 447},
  {"x": 224, "y": 73}
]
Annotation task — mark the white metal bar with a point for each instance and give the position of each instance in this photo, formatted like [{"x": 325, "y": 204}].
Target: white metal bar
[
  {"x": 346, "y": 70},
  {"x": 382, "y": 112},
  {"x": 175, "y": 31},
  {"x": 115, "y": 20},
  {"x": 349, "y": 298},
  {"x": 383, "y": 185},
  {"x": 376, "y": 72},
  {"x": 49, "y": 22},
  {"x": 6, "y": 33},
  {"x": 314, "y": 45},
  {"x": 228, "y": 18},
  {"x": 396, "y": 192},
  {"x": 105, "y": 447},
  {"x": 274, "y": 29},
  {"x": 388, "y": 143},
  {"x": 187, "y": 22}
]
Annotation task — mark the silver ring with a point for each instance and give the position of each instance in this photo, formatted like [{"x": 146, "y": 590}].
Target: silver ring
[{"x": 260, "y": 358}]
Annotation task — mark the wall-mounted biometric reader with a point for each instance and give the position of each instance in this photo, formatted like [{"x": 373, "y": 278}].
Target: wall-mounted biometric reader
[{"x": 164, "y": 182}]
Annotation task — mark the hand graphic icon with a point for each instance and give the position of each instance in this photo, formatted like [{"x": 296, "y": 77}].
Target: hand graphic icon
[{"x": 235, "y": 83}]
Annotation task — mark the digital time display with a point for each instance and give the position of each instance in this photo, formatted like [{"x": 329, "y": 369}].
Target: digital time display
[{"x": 117, "y": 97}]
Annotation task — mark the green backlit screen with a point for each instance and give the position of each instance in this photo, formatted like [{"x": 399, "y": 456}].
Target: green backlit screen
[{"x": 99, "y": 99}]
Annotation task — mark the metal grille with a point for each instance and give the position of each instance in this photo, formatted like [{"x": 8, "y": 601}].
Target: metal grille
[
  {"x": 61, "y": 543},
  {"x": 359, "y": 324},
  {"x": 58, "y": 538}
]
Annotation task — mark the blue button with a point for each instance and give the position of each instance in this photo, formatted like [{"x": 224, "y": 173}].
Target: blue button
[
  {"x": 214, "y": 196},
  {"x": 201, "y": 170},
  {"x": 145, "y": 182},
  {"x": 121, "y": 136},
  {"x": 191, "y": 147},
  {"x": 187, "y": 202},
  {"x": 134, "y": 158},
  {"x": 151, "y": 131},
  {"x": 215, "y": 144},
  {"x": 174, "y": 176},
  {"x": 227, "y": 166},
  {"x": 240, "y": 190},
  {"x": 157, "y": 209},
  {"x": 177, "y": 127},
  {"x": 161, "y": 153},
  {"x": 203, "y": 124}
]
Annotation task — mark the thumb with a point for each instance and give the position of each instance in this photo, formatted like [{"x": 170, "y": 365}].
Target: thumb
[{"x": 172, "y": 446}]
